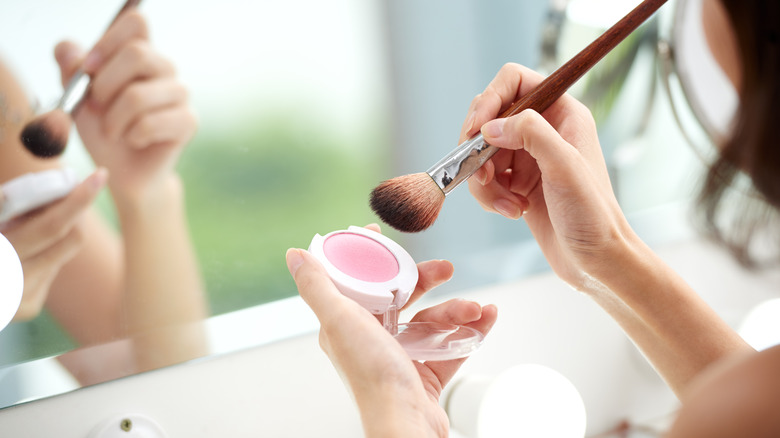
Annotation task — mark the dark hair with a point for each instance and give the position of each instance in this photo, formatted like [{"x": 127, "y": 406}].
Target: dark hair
[{"x": 754, "y": 146}]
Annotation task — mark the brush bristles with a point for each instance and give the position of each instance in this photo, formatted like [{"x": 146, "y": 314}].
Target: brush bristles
[
  {"x": 47, "y": 135},
  {"x": 408, "y": 203}
]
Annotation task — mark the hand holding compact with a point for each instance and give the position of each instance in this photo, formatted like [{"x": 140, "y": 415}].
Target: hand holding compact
[
  {"x": 550, "y": 171},
  {"x": 372, "y": 362}
]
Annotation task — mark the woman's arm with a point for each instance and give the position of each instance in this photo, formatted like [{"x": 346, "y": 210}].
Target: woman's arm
[
  {"x": 551, "y": 171},
  {"x": 110, "y": 284},
  {"x": 135, "y": 122}
]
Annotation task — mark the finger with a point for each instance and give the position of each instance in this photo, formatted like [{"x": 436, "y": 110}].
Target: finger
[
  {"x": 431, "y": 274},
  {"x": 456, "y": 311},
  {"x": 485, "y": 174},
  {"x": 42, "y": 228},
  {"x": 129, "y": 25},
  {"x": 41, "y": 270},
  {"x": 444, "y": 370},
  {"x": 136, "y": 60},
  {"x": 497, "y": 197},
  {"x": 316, "y": 288},
  {"x": 69, "y": 57},
  {"x": 526, "y": 176},
  {"x": 531, "y": 132},
  {"x": 374, "y": 227},
  {"x": 511, "y": 81},
  {"x": 169, "y": 127},
  {"x": 144, "y": 100}
]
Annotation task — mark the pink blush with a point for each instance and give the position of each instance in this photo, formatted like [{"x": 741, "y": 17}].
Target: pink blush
[{"x": 360, "y": 257}]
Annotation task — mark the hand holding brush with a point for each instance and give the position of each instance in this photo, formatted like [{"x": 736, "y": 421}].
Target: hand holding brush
[
  {"x": 412, "y": 203},
  {"x": 47, "y": 134}
]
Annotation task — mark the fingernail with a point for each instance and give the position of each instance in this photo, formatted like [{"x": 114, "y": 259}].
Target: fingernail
[
  {"x": 294, "y": 260},
  {"x": 481, "y": 175},
  {"x": 68, "y": 57},
  {"x": 494, "y": 128},
  {"x": 508, "y": 208},
  {"x": 98, "y": 179},
  {"x": 470, "y": 122},
  {"x": 92, "y": 61}
]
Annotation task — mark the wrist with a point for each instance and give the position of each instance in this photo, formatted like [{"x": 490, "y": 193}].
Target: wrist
[
  {"x": 391, "y": 414},
  {"x": 629, "y": 269},
  {"x": 152, "y": 199}
]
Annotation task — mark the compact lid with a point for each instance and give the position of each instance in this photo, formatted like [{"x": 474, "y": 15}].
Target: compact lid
[{"x": 437, "y": 341}]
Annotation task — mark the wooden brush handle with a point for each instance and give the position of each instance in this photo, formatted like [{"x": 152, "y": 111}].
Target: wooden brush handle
[
  {"x": 457, "y": 166},
  {"x": 555, "y": 85}
]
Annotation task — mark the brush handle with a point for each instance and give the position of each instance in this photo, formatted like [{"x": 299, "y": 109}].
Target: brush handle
[
  {"x": 74, "y": 92},
  {"x": 79, "y": 83},
  {"x": 469, "y": 156}
]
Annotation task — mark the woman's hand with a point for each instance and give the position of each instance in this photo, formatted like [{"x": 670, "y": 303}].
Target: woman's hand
[
  {"x": 136, "y": 119},
  {"x": 396, "y": 396},
  {"x": 550, "y": 171},
  {"x": 47, "y": 238}
]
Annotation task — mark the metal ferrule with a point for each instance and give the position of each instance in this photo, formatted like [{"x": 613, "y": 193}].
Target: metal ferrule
[
  {"x": 461, "y": 163},
  {"x": 74, "y": 92}
]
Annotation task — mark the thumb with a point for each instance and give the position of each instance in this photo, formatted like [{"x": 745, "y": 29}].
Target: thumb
[
  {"x": 314, "y": 285},
  {"x": 69, "y": 57}
]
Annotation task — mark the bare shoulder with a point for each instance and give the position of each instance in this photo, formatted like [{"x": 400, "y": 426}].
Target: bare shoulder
[{"x": 737, "y": 398}]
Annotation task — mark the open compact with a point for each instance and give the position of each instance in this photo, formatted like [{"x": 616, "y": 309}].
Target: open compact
[{"x": 380, "y": 275}]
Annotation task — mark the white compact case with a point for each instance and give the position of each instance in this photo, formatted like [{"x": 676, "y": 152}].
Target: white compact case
[{"x": 361, "y": 264}]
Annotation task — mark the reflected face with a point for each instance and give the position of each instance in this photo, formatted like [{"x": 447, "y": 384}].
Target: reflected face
[{"x": 722, "y": 40}]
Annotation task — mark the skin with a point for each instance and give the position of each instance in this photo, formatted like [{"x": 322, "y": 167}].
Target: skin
[
  {"x": 722, "y": 40},
  {"x": 551, "y": 172},
  {"x": 98, "y": 284},
  {"x": 395, "y": 395}
]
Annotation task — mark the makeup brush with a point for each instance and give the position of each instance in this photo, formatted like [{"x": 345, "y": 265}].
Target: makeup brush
[
  {"x": 411, "y": 203},
  {"x": 47, "y": 134}
]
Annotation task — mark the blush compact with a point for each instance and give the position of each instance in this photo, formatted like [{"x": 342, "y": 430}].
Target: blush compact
[{"x": 380, "y": 275}]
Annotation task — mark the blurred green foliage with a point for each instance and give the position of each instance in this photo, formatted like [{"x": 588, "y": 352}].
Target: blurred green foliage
[{"x": 253, "y": 192}]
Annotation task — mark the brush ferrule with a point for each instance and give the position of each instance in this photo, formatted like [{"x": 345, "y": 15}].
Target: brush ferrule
[
  {"x": 74, "y": 92},
  {"x": 461, "y": 163}
]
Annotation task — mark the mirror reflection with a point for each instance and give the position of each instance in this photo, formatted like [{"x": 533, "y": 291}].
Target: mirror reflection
[{"x": 198, "y": 161}]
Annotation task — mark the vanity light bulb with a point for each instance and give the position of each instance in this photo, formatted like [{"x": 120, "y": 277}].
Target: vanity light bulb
[
  {"x": 526, "y": 400},
  {"x": 761, "y": 326},
  {"x": 11, "y": 282}
]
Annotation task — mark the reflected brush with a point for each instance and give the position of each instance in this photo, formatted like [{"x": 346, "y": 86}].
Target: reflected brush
[
  {"x": 47, "y": 134},
  {"x": 411, "y": 203}
]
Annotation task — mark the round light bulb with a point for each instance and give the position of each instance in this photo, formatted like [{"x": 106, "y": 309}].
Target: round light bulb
[
  {"x": 11, "y": 282},
  {"x": 526, "y": 400},
  {"x": 761, "y": 327}
]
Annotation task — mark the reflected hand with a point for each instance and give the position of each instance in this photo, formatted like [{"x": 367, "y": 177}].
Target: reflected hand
[
  {"x": 393, "y": 393},
  {"x": 550, "y": 171},
  {"x": 136, "y": 119},
  {"x": 47, "y": 238}
]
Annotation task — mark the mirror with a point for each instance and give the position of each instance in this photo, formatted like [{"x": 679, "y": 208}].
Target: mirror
[
  {"x": 292, "y": 135},
  {"x": 703, "y": 99}
]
